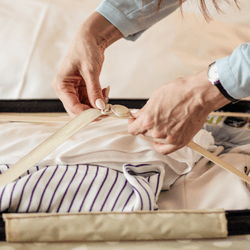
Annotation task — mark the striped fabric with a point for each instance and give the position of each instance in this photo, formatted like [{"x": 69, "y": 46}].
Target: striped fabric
[{"x": 82, "y": 188}]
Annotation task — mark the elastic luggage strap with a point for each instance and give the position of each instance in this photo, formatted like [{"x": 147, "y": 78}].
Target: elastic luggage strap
[
  {"x": 215, "y": 159},
  {"x": 49, "y": 145},
  {"x": 74, "y": 126},
  {"x": 115, "y": 226}
]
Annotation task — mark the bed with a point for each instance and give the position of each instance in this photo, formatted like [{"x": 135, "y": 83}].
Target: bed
[{"x": 44, "y": 29}]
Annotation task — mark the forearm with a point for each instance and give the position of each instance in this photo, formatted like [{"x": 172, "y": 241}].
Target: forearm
[
  {"x": 100, "y": 31},
  {"x": 132, "y": 17}
]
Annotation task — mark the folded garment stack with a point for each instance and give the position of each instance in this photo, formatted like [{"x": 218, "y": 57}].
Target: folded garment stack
[{"x": 101, "y": 168}]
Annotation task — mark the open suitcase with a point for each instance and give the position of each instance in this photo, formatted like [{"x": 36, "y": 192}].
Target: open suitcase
[{"x": 183, "y": 224}]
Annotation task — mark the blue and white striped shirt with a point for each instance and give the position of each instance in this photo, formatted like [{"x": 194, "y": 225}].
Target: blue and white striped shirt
[{"x": 82, "y": 188}]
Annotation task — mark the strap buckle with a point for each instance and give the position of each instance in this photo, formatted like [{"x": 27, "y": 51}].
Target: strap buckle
[{"x": 117, "y": 110}]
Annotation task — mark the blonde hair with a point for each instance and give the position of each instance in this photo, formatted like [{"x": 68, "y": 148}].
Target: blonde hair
[{"x": 203, "y": 6}]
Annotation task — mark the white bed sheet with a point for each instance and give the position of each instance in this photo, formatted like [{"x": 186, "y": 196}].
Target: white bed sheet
[{"x": 36, "y": 34}]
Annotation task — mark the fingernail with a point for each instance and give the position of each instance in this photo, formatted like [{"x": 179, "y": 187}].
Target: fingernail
[
  {"x": 133, "y": 111},
  {"x": 100, "y": 104}
]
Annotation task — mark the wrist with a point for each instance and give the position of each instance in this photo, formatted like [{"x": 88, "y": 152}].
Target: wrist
[
  {"x": 213, "y": 77},
  {"x": 100, "y": 31},
  {"x": 210, "y": 96}
]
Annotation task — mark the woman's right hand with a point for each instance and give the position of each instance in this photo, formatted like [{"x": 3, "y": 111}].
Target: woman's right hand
[
  {"x": 176, "y": 111},
  {"x": 77, "y": 81}
]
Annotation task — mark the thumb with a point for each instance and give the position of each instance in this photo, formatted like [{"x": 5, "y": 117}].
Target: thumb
[
  {"x": 135, "y": 113},
  {"x": 94, "y": 92},
  {"x": 165, "y": 148}
]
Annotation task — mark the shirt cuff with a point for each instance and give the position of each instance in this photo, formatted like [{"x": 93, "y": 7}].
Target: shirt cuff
[
  {"x": 234, "y": 72},
  {"x": 119, "y": 20}
]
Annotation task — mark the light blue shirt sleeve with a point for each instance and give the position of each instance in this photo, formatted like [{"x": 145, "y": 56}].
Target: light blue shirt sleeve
[
  {"x": 133, "y": 17},
  {"x": 234, "y": 72}
]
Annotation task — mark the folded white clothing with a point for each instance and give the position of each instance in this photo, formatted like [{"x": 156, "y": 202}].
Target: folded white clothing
[
  {"x": 82, "y": 188},
  {"x": 209, "y": 186},
  {"x": 107, "y": 140}
]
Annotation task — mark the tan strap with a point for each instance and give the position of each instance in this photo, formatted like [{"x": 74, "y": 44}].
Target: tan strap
[
  {"x": 230, "y": 114},
  {"x": 36, "y": 118},
  {"x": 218, "y": 161},
  {"x": 63, "y": 117},
  {"x": 71, "y": 128},
  {"x": 49, "y": 145}
]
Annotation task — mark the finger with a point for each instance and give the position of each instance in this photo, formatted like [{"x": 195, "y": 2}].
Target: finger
[
  {"x": 140, "y": 122},
  {"x": 105, "y": 93},
  {"x": 94, "y": 91},
  {"x": 166, "y": 148},
  {"x": 135, "y": 113},
  {"x": 72, "y": 104},
  {"x": 66, "y": 91},
  {"x": 135, "y": 127}
]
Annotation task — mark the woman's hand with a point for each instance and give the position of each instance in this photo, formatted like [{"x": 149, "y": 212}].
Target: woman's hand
[
  {"x": 77, "y": 81},
  {"x": 177, "y": 111}
]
